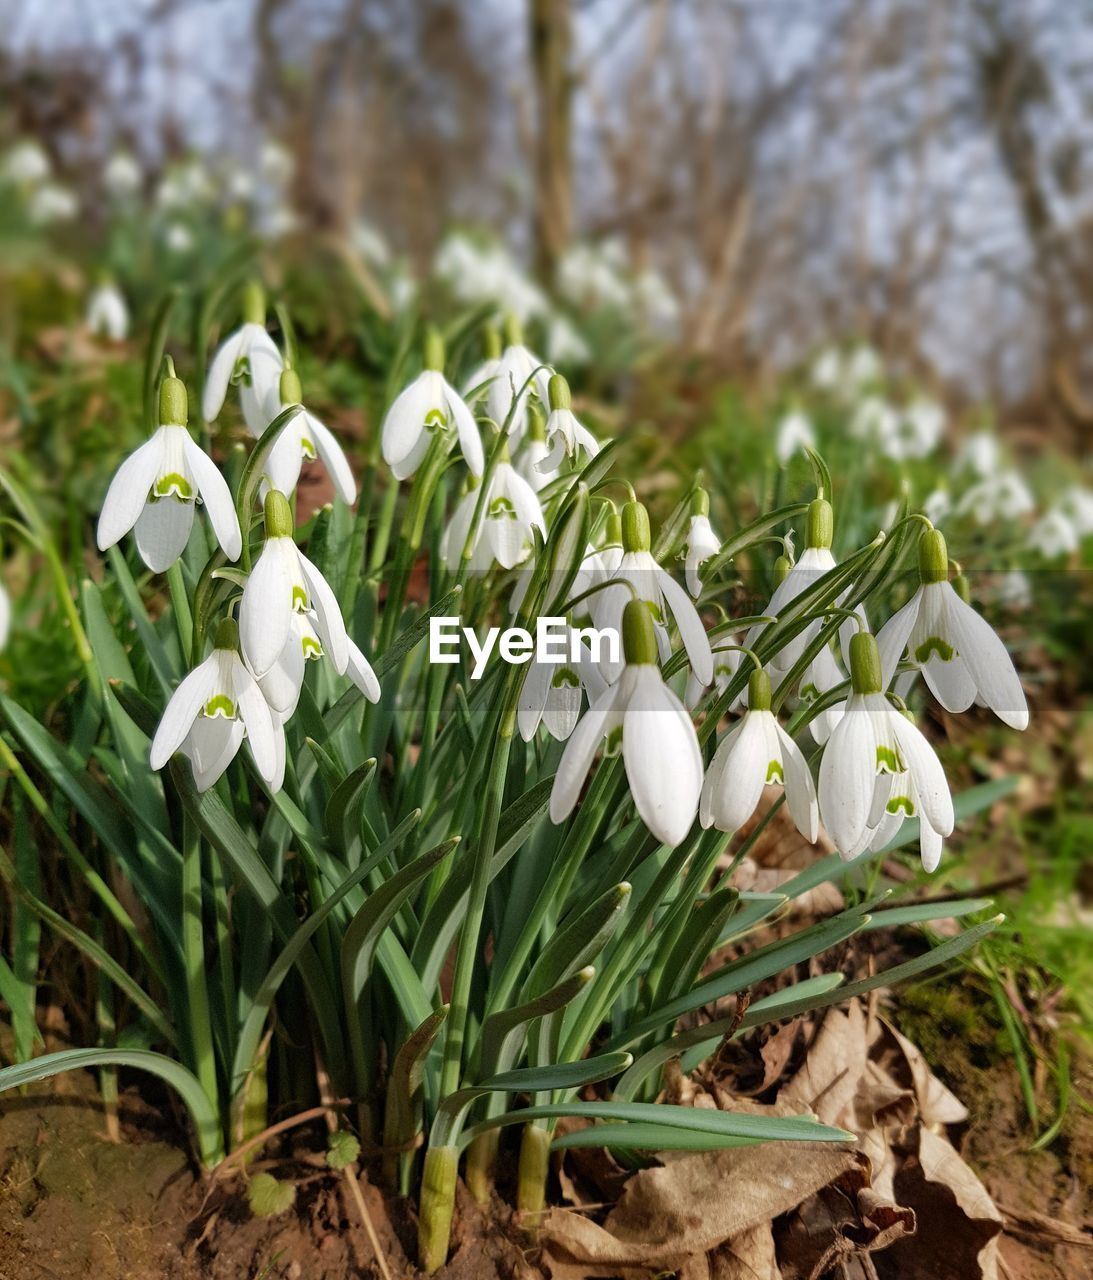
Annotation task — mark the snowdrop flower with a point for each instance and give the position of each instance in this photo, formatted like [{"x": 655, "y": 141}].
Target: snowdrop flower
[
  {"x": 726, "y": 663},
  {"x": 284, "y": 582},
  {"x": 158, "y": 486},
  {"x": 702, "y": 542},
  {"x": 429, "y": 404},
  {"x": 1003, "y": 496},
  {"x": 921, "y": 428},
  {"x": 878, "y": 769},
  {"x": 210, "y": 713},
  {"x": 564, "y": 344},
  {"x": 304, "y": 438},
  {"x": 1014, "y": 590},
  {"x": 122, "y": 176},
  {"x": 754, "y": 753},
  {"x": 826, "y": 372},
  {"x": 862, "y": 368},
  {"x": 980, "y": 453},
  {"x": 660, "y": 749},
  {"x": 815, "y": 561},
  {"x": 937, "y": 505},
  {"x": 795, "y": 433},
  {"x": 282, "y": 683},
  {"x": 551, "y": 694},
  {"x": 1054, "y": 535},
  {"x": 249, "y": 359},
  {"x": 961, "y": 658},
  {"x": 5, "y": 617},
  {"x": 535, "y": 454},
  {"x": 1078, "y": 505},
  {"x": 107, "y": 314},
  {"x": 510, "y": 514},
  {"x": 26, "y": 164},
  {"x": 52, "y": 203},
  {"x": 518, "y": 373},
  {"x": 656, "y": 588},
  {"x": 178, "y": 238},
  {"x": 821, "y": 676},
  {"x": 565, "y": 435}
]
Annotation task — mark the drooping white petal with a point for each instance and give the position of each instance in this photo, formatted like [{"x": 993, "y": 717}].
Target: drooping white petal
[
  {"x": 283, "y": 462},
  {"x": 893, "y": 637},
  {"x": 255, "y": 714},
  {"x": 282, "y": 683},
  {"x": 600, "y": 719},
  {"x": 454, "y": 538},
  {"x": 217, "y": 498},
  {"x": 800, "y": 789},
  {"x": 738, "y": 774},
  {"x": 930, "y": 844},
  {"x": 220, "y": 374},
  {"x": 185, "y": 705},
  {"x": 5, "y": 618},
  {"x": 691, "y": 631},
  {"x": 328, "y": 615},
  {"x": 533, "y": 697},
  {"x": 162, "y": 532},
  {"x": 265, "y": 614},
  {"x": 470, "y": 442},
  {"x": 403, "y": 430},
  {"x": 128, "y": 492},
  {"x": 847, "y": 776},
  {"x": 711, "y": 786},
  {"x": 931, "y": 785},
  {"x": 359, "y": 670},
  {"x": 563, "y": 704},
  {"x": 257, "y": 390},
  {"x": 333, "y": 458},
  {"x": 989, "y": 663},
  {"x": 212, "y": 745},
  {"x": 662, "y": 758}
]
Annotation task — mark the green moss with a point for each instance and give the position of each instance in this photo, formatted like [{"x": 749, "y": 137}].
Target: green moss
[{"x": 937, "y": 1016}]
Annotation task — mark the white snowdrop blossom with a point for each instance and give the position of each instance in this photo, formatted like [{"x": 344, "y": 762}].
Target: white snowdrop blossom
[
  {"x": 980, "y": 453},
  {"x": 5, "y": 617},
  {"x": 107, "y": 314},
  {"x": 155, "y": 490},
  {"x": 428, "y": 405},
  {"x": 878, "y": 769},
  {"x": 863, "y": 368},
  {"x": 877, "y": 422},
  {"x": 210, "y": 713},
  {"x": 922, "y": 424},
  {"x": 249, "y": 359},
  {"x": 510, "y": 514},
  {"x": 826, "y": 371},
  {"x": 122, "y": 176},
  {"x": 795, "y": 433},
  {"x": 534, "y": 454},
  {"x": 52, "y": 203},
  {"x": 660, "y": 750},
  {"x": 178, "y": 238},
  {"x": 26, "y": 163},
  {"x": 282, "y": 583},
  {"x": 961, "y": 658},
  {"x": 701, "y": 542},
  {"x": 1054, "y": 535},
  {"x": 755, "y": 753},
  {"x": 487, "y": 273},
  {"x": 726, "y": 663},
  {"x": 551, "y": 693},
  {"x": 821, "y": 676},
  {"x": 638, "y": 576},
  {"x": 563, "y": 343},
  {"x": 565, "y": 436},
  {"x": 1077, "y": 503},
  {"x": 1002, "y": 496},
  {"x": 937, "y": 505},
  {"x": 304, "y": 439},
  {"x": 519, "y": 372},
  {"x": 1013, "y": 590}
]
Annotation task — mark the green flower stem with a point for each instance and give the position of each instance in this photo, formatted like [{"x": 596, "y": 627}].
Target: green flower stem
[
  {"x": 437, "y": 1207},
  {"x": 193, "y": 958},
  {"x": 180, "y": 607},
  {"x": 532, "y": 1177}
]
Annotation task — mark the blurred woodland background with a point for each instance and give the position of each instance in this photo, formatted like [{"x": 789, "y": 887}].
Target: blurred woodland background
[{"x": 914, "y": 173}]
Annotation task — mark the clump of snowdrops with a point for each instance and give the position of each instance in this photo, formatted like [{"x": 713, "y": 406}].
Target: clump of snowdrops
[{"x": 317, "y": 818}]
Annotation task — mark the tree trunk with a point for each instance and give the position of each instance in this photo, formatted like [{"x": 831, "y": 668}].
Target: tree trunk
[{"x": 551, "y": 47}]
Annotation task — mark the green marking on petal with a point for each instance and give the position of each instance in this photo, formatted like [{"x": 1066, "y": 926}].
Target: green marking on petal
[
  {"x": 656, "y": 611},
  {"x": 435, "y": 418},
  {"x": 775, "y": 772},
  {"x": 241, "y": 372},
  {"x": 299, "y": 599},
  {"x": 723, "y": 669},
  {"x": 809, "y": 692},
  {"x": 219, "y": 705},
  {"x": 888, "y": 760},
  {"x": 901, "y": 804},
  {"x": 501, "y": 509},
  {"x": 173, "y": 484},
  {"x": 311, "y": 647},
  {"x": 565, "y": 676},
  {"x": 935, "y": 644},
  {"x": 614, "y": 741},
  {"x": 308, "y": 449}
]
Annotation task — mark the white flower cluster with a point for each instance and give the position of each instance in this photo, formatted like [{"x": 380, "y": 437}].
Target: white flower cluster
[{"x": 28, "y": 169}]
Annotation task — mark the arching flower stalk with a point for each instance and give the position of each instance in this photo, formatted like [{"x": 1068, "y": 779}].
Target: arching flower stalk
[{"x": 249, "y": 360}]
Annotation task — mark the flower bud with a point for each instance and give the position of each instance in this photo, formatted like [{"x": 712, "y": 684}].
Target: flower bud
[
  {"x": 635, "y": 528},
  {"x": 782, "y": 567},
  {"x": 865, "y": 670},
  {"x": 639, "y": 641},
  {"x": 278, "y": 515}
]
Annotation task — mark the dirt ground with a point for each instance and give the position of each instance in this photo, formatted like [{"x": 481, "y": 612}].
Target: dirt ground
[{"x": 75, "y": 1205}]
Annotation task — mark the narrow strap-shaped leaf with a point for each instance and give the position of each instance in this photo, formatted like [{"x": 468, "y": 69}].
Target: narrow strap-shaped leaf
[
  {"x": 647, "y": 1137},
  {"x": 502, "y": 1032},
  {"x": 403, "y": 1101}
]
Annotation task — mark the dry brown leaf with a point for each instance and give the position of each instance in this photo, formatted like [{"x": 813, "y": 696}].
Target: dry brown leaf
[
  {"x": 750, "y": 1256},
  {"x": 828, "y": 1081},
  {"x": 937, "y": 1104},
  {"x": 824, "y": 900}
]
